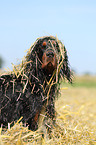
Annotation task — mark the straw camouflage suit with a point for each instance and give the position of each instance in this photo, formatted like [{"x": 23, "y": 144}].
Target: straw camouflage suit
[{"x": 33, "y": 85}]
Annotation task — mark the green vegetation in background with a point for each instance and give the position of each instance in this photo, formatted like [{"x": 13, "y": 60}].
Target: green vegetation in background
[
  {"x": 1, "y": 62},
  {"x": 82, "y": 81}
]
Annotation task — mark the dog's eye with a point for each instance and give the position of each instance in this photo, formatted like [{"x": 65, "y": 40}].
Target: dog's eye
[{"x": 44, "y": 43}]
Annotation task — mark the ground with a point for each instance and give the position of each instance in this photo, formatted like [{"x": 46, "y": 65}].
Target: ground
[{"x": 76, "y": 118}]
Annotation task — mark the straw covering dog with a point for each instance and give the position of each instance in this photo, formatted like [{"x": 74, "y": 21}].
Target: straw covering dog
[{"x": 34, "y": 84}]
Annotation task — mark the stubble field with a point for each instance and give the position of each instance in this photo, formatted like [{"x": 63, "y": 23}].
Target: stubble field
[{"x": 75, "y": 122}]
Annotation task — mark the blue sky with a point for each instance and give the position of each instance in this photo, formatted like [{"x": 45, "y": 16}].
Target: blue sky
[{"x": 73, "y": 21}]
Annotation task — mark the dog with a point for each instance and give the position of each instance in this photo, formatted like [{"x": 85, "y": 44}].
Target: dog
[{"x": 34, "y": 84}]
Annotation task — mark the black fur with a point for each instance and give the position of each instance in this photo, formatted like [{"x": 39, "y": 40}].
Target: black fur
[{"x": 30, "y": 86}]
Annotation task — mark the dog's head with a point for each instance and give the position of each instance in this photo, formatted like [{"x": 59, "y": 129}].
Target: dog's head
[
  {"x": 52, "y": 57},
  {"x": 49, "y": 57}
]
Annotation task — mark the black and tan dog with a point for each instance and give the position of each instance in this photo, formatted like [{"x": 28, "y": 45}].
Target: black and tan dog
[{"x": 34, "y": 84}]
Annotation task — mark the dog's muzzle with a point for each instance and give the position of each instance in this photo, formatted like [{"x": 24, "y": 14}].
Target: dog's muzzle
[
  {"x": 50, "y": 54},
  {"x": 49, "y": 61}
]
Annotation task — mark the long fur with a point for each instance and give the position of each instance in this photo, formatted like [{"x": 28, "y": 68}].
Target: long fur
[{"x": 29, "y": 87}]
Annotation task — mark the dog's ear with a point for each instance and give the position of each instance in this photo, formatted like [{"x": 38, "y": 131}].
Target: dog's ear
[{"x": 65, "y": 70}]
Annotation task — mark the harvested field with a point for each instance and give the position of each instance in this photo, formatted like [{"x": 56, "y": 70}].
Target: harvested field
[{"x": 76, "y": 119}]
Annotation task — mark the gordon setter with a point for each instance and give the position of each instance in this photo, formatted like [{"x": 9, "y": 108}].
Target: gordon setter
[{"x": 34, "y": 84}]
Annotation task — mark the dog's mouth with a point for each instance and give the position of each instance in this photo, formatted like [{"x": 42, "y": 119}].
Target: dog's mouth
[{"x": 49, "y": 62}]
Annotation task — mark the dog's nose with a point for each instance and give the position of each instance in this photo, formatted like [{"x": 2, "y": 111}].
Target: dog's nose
[{"x": 50, "y": 54}]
